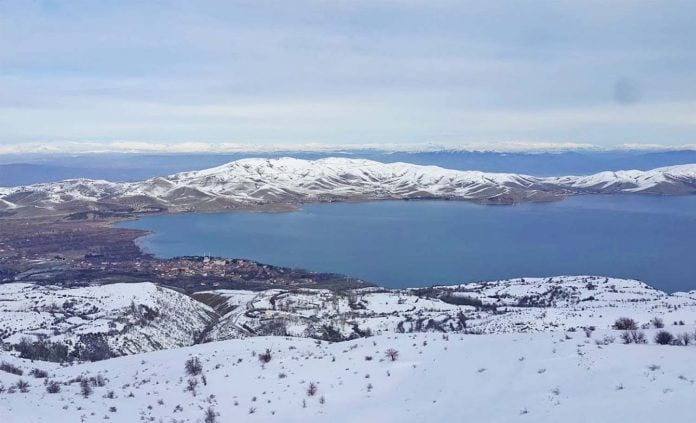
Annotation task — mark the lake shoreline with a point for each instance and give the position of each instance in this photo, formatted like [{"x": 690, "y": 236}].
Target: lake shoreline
[{"x": 645, "y": 213}]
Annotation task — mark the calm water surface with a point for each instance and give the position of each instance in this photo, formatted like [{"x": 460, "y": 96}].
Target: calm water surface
[{"x": 419, "y": 243}]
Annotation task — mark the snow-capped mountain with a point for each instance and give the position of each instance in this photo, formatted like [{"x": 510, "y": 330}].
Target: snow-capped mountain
[
  {"x": 258, "y": 182},
  {"x": 663, "y": 181}
]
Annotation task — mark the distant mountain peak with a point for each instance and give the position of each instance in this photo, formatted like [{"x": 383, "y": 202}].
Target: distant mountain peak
[{"x": 254, "y": 182}]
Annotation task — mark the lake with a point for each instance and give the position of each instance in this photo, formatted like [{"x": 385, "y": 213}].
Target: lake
[{"x": 420, "y": 243}]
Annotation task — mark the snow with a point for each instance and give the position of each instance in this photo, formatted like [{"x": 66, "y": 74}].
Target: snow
[
  {"x": 516, "y": 305},
  {"x": 288, "y": 180},
  {"x": 545, "y": 377},
  {"x": 632, "y": 180},
  {"x": 535, "y": 349},
  {"x": 116, "y": 311}
]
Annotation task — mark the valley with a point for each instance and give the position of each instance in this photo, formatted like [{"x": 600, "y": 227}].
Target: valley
[{"x": 129, "y": 318}]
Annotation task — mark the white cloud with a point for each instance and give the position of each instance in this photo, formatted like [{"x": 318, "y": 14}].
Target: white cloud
[
  {"x": 70, "y": 147},
  {"x": 347, "y": 72}
]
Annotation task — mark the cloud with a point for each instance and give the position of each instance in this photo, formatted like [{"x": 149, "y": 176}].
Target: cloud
[
  {"x": 136, "y": 147},
  {"x": 347, "y": 72}
]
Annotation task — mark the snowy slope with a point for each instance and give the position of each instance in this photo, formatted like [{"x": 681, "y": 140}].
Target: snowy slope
[
  {"x": 254, "y": 182},
  {"x": 526, "y": 349},
  {"x": 546, "y": 377},
  {"x": 516, "y": 305},
  {"x": 666, "y": 180},
  {"x": 132, "y": 318},
  {"x": 136, "y": 318}
]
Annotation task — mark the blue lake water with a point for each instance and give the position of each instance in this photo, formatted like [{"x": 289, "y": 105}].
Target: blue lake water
[{"x": 419, "y": 243}]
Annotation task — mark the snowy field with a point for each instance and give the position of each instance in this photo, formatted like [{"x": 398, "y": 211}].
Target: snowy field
[
  {"x": 543, "y": 377},
  {"x": 516, "y": 350}
]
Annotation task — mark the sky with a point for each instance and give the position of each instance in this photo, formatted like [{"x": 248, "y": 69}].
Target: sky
[{"x": 224, "y": 75}]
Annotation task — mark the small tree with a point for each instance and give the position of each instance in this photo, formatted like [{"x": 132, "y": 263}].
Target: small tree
[
  {"x": 664, "y": 338},
  {"x": 392, "y": 354},
  {"x": 312, "y": 389},
  {"x": 193, "y": 366}
]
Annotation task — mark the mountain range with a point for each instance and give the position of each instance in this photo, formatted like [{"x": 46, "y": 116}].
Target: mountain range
[{"x": 283, "y": 182}]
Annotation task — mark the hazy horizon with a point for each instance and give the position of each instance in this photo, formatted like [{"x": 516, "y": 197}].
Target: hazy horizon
[{"x": 144, "y": 148}]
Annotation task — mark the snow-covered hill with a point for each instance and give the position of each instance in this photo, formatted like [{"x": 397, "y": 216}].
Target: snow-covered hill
[
  {"x": 129, "y": 318},
  {"x": 135, "y": 318},
  {"x": 513, "y": 350},
  {"x": 516, "y": 305},
  {"x": 544, "y": 377},
  {"x": 255, "y": 182}
]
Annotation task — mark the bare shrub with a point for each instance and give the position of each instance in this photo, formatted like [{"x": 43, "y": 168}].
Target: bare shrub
[
  {"x": 312, "y": 389},
  {"x": 192, "y": 385},
  {"x": 266, "y": 357},
  {"x": 657, "y": 323},
  {"x": 664, "y": 338},
  {"x": 625, "y": 323},
  {"x": 23, "y": 386},
  {"x": 210, "y": 416},
  {"x": 606, "y": 340},
  {"x": 85, "y": 388},
  {"x": 97, "y": 380},
  {"x": 11, "y": 368},
  {"x": 683, "y": 339},
  {"x": 633, "y": 337},
  {"x": 38, "y": 373},
  {"x": 53, "y": 387},
  {"x": 193, "y": 366}
]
